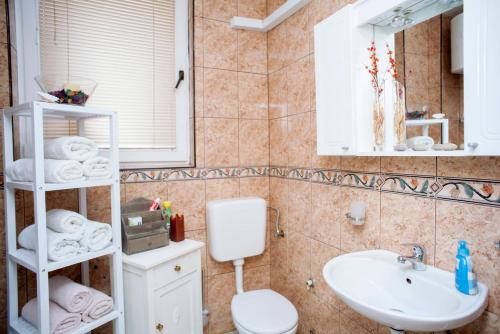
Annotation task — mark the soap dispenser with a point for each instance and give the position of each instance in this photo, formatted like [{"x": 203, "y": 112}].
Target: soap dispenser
[{"x": 465, "y": 278}]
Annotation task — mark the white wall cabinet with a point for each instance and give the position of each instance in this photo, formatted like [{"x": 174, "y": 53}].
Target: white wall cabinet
[
  {"x": 163, "y": 292},
  {"x": 344, "y": 96}
]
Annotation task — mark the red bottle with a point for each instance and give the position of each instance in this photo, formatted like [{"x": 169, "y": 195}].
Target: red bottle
[{"x": 177, "y": 228}]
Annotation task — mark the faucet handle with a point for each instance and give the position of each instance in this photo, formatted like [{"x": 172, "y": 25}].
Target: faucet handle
[{"x": 417, "y": 249}]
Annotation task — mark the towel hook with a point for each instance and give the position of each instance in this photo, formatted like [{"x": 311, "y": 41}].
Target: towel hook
[{"x": 278, "y": 233}]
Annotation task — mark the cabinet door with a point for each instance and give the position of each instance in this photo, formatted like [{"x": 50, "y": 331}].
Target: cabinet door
[
  {"x": 481, "y": 74},
  {"x": 334, "y": 84},
  {"x": 177, "y": 306}
]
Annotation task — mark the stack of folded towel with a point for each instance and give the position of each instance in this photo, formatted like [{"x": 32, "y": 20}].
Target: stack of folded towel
[
  {"x": 68, "y": 234},
  {"x": 67, "y": 159},
  {"x": 70, "y": 304}
]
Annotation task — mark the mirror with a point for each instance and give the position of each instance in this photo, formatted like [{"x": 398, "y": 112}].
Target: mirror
[{"x": 425, "y": 55}]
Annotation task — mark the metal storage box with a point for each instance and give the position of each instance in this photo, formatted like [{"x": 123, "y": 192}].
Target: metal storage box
[{"x": 153, "y": 233}]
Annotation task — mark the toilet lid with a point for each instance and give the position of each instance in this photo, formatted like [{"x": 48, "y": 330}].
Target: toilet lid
[{"x": 264, "y": 312}]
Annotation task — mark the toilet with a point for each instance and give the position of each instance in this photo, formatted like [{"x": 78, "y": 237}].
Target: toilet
[{"x": 237, "y": 229}]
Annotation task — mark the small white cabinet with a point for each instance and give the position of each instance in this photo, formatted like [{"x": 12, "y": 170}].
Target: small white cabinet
[{"x": 163, "y": 291}]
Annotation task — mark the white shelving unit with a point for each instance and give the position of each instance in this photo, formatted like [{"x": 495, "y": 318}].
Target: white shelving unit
[{"x": 37, "y": 262}]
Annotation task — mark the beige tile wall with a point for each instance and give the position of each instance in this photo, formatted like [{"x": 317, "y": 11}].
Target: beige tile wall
[
  {"x": 254, "y": 102},
  {"x": 313, "y": 213},
  {"x": 232, "y": 126}
]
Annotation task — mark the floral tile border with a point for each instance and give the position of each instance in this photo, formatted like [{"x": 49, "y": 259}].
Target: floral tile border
[
  {"x": 327, "y": 176},
  {"x": 359, "y": 180},
  {"x": 476, "y": 191},
  {"x": 484, "y": 192},
  {"x": 470, "y": 190},
  {"x": 409, "y": 184},
  {"x": 186, "y": 174}
]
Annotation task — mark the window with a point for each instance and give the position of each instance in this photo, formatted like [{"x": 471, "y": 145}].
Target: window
[{"x": 135, "y": 51}]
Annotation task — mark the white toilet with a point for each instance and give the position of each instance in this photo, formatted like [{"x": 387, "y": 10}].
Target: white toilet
[{"x": 237, "y": 229}]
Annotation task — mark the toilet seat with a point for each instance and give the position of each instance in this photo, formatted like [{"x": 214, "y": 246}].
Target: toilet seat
[{"x": 264, "y": 312}]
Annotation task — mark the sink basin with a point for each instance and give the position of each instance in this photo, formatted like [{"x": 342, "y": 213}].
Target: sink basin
[{"x": 374, "y": 284}]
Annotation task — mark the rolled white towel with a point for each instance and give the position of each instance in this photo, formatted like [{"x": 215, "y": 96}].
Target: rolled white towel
[
  {"x": 97, "y": 168},
  {"x": 71, "y": 296},
  {"x": 65, "y": 221},
  {"x": 102, "y": 304},
  {"x": 70, "y": 148},
  {"x": 96, "y": 236},
  {"x": 61, "y": 321},
  {"x": 56, "y": 171},
  {"x": 60, "y": 246}
]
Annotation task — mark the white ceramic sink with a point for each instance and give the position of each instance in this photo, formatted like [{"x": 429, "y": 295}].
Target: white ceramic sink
[{"x": 374, "y": 284}]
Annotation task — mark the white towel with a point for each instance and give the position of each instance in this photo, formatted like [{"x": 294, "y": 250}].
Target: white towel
[
  {"x": 71, "y": 296},
  {"x": 97, "y": 168},
  {"x": 65, "y": 221},
  {"x": 97, "y": 236},
  {"x": 61, "y": 322},
  {"x": 56, "y": 171},
  {"x": 70, "y": 148},
  {"x": 101, "y": 305},
  {"x": 60, "y": 246}
]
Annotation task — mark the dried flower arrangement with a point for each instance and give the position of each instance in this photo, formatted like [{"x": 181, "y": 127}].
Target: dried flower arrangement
[
  {"x": 378, "y": 89},
  {"x": 398, "y": 91},
  {"x": 378, "y": 83}
]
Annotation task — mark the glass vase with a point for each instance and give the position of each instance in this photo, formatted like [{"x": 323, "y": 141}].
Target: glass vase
[
  {"x": 398, "y": 99},
  {"x": 378, "y": 121}
]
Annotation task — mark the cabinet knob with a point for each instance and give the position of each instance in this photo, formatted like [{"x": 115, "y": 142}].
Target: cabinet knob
[
  {"x": 345, "y": 148},
  {"x": 177, "y": 268},
  {"x": 472, "y": 145},
  {"x": 159, "y": 327}
]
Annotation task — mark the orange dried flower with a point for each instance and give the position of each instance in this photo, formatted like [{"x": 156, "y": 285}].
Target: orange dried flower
[
  {"x": 488, "y": 188},
  {"x": 414, "y": 182}
]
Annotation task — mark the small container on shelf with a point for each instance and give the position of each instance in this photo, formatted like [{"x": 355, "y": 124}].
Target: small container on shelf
[
  {"x": 142, "y": 229},
  {"x": 177, "y": 228}
]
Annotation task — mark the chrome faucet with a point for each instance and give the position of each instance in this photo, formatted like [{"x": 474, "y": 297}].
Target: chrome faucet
[{"x": 416, "y": 259}]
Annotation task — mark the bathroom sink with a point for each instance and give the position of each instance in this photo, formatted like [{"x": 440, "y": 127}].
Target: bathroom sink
[{"x": 374, "y": 284}]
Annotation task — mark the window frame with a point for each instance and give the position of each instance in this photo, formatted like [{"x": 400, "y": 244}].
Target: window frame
[{"x": 27, "y": 44}]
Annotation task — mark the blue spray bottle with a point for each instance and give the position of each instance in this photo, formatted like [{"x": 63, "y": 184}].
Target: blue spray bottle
[{"x": 465, "y": 279}]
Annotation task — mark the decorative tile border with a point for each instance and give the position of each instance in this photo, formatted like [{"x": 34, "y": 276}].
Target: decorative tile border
[
  {"x": 186, "y": 174},
  {"x": 476, "y": 191},
  {"x": 327, "y": 176},
  {"x": 470, "y": 190},
  {"x": 409, "y": 184},
  {"x": 484, "y": 192},
  {"x": 359, "y": 180}
]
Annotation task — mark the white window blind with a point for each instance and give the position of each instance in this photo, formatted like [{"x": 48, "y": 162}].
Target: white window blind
[{"x": 128, "y": 48}]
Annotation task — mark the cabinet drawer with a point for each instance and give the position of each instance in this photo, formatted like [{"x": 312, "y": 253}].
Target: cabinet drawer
[{"x": 176, "y": 268}]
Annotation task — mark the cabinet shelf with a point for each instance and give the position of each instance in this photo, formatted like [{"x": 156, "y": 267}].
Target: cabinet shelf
[
  {"x": 27, "y": 258},
  {"x": 24, "y": 327},
  {"x": 62, "y": 186},
  {"x": 411, "y": 153},
  {"x": 58, "y": 111}
]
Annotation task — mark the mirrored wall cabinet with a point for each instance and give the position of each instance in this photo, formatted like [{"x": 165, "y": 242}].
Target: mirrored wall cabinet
[{"x": 409, "y": 78}]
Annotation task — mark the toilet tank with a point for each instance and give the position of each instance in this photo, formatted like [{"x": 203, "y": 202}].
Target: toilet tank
[{"x": 236, "y": 228}]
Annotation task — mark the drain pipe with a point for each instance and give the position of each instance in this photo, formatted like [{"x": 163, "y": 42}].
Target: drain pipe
[
  {"x": 238, "y": 270},
  {"x": 204, "y": 312},
  {"x": 397, "y": 331}
]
